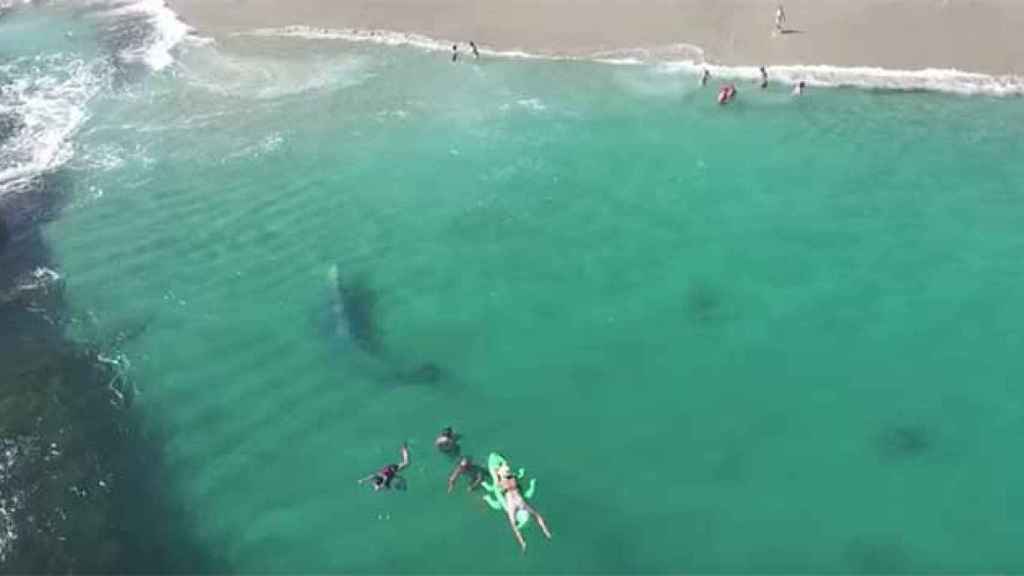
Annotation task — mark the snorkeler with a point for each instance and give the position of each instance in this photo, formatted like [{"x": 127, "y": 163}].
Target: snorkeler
[
  {"x": 514, "y": 502},
  {"x": 447, "y": 441},
  {"x": 466, "y": 466},
  {"x": 383, "y": 477}
]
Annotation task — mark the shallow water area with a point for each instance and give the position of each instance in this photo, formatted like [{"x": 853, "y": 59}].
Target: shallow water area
[{"x": 777, "y": 335}]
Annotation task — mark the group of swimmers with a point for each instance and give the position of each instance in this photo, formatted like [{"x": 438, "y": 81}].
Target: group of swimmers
[
  {"x": 505, "y": 482},
  {"x": 727, "y": 92}
]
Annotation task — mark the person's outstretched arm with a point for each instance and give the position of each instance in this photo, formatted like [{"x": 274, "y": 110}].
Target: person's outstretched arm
[
  {"x": 405, "y": 457},
  {"x": 370, "y": 477},
  {"x": 454, "y": 476}
]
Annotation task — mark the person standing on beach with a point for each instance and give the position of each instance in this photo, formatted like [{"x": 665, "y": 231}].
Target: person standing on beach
[
  {"x": 455, "y": 52},
  {"x": 476, "y": 53},
  {"x": 764, "y": 78},
  {"x": 780, "y": 19}
]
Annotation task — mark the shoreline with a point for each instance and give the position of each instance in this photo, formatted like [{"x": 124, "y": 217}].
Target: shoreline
[
  {"x": 979, "y": 37},
  {"x": 685, "y": 59}
]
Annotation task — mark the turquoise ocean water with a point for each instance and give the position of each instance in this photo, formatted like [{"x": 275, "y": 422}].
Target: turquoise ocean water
[{"x": 782, "y": 335}]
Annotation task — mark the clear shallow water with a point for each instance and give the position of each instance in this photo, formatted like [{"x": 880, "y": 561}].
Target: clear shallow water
[{"x": 783, "y": 335}]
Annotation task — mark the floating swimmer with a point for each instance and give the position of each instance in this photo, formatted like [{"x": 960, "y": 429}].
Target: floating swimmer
[
  {"x": 466, "y": 466},
  {"x": 386, "y": 475},
  {"x": 447, "y": 441},
  {"x": 505, "y": 494}
]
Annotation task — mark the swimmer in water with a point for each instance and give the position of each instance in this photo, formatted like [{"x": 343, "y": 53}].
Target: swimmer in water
[
  {"x": 447, "y": 441},
  {"x": 704, "y": 77},
  {"x": 799, "y": 88},
  {"x": 383, "y": 477},
  {"x": 476, "y": 53},
  {"x": 726, "y": 94},
  {"x": 514, "y": 502},
  {"x": 455, "y": 52},
  {"x": 466, "y": 466},
  {"x": 764, "y": 78}
]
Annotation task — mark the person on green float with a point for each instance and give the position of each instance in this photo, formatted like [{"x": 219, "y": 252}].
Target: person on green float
[{"x": 514, "y": 502}]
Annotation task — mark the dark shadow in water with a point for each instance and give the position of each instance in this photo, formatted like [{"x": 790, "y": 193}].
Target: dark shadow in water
[
  {"x": 864, "y": 555},
  {"x": 900, "y": 443},
  {"x": 426, "y": 374},
  {"x": 5, "y": 234},
  {"x": 354, "y": 315},
  {"x": 86, "y": 490},
  {"x": 10, "y": 125},
  {"x": 358, "y": 312},
  {"x": 703, "y": 303}
]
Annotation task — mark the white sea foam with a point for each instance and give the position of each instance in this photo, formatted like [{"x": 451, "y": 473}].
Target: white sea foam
[
  {"x": 689, "y": 59},
  {"x": 9, "y": 502},
  {"x": 7, "y": 4},
  {"x": 168, "y": 32},
  {"x": 48, "y": 95},
  {"x": 931, "y": 79},
  {"x": 102, "y": 158},
  {"x": 532, "y": 104},
  {"x": 264, "y": 146},
  {"x": 266, "y": 78}
]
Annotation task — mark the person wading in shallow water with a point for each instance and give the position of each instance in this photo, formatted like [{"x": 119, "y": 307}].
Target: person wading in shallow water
[{"x": 383, "y": 477}]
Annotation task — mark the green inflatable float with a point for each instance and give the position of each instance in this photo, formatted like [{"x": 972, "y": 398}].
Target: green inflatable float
[{"x": 495, "y": 497}]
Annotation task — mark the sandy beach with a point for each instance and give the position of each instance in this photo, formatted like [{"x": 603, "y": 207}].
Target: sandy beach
[{"x": 970, "y": 35}]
